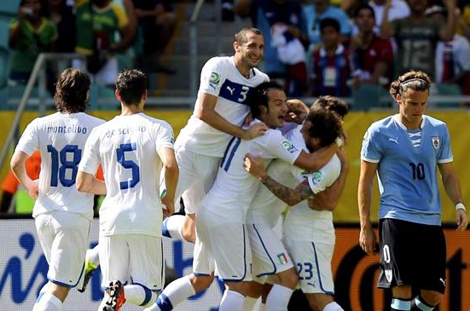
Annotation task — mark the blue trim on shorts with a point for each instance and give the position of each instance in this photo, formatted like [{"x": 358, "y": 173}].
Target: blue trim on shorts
[
  {"x": 270, "y": 258},
  {"x": 165, "y": 231},
  {"x": 148, "y": 294},
  {"x": 244, "y": 260},
  {"x": 164, "y": 303},
  {"x": 318, "y": 272},
  {"x": 62, "y": 284},
  {"x": 201, "y": 274}
]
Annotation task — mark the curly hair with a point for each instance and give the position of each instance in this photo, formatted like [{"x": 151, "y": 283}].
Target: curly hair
[
  {"x": 331, "y": 103},
  {"x": 72, "y": 91},
  {"x": 325, "y": 125},
  {"x": 415, "y": 80},
  {"x": 131, "y": 85}
]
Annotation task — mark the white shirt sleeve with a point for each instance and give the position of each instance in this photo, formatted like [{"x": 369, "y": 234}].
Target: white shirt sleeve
[
  {"x": 213, "y": 75},
  {"x": 90, "y": 159},
  {"x": 29, "y": 140}
]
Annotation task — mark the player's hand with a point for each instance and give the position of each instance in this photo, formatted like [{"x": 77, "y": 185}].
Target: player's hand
[
  {"x": 33, "y": 189},
  {"x": 169, "y": 205},
  {"x": 257, "y": 129},
  {"x": 462, "y": 220},
  {"x": 254, "y": 166},
  {"x": 368, "y": 241},
  {"x": 248, "y": 119},
  {"x": 297, "y": 111}
]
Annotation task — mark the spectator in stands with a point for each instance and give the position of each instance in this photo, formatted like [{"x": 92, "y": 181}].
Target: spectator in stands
[
  {"x": 97, "y": 23},
  {"x": 284, "y": 27},
  {"x": 64, "y": 18},
  {"x": 315, "y": 11},
  {"x": 331, "y": 70},
  {"x": 30, "y": 34},
  {"x": 371, "y": 56},
  {"x": 10, "y": 184},
  {"x": 417, "y": 36},
  {"x": 157, "y": 24},
  {"x": 452, "y": 57},
  {"x": 398, "y": 9},
  {"x": 463, "y": 21}
]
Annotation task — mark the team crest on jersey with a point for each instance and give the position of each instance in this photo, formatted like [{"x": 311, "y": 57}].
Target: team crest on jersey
[
  {"x": 282, "y": 257},
  {"x": 288, "y": 146},
  {"x": 214, "y": 80},
  {"x": 436, "y": 142}
]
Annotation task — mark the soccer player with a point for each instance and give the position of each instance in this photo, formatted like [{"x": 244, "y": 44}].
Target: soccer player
[
  {"x": 404, "y": 150},
  {"x": 219, "y": 113},
  {"x": 132, "y": 148},
  {"x": 308, "y": 228},
  {"x": 62, "y": 214},
  {"x": 228, "y": 201}
]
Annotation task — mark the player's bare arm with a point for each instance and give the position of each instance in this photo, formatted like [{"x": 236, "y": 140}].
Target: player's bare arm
[
  {"x": 367, "y": 238},
  {"x": 89, "y": 183},
  {"x": 255, "y": 166},
  {"x": 170, "y": 166},
  {"x": 18, "y": 167},
  {"x": 452, "y": 187},
  {"x": 328, "y": 199},
  {"x": 206, "y": 112}
]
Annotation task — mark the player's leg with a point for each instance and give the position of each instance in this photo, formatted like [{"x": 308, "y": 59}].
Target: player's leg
[
  {"x": 270, "y": 257},
  {"x": 64, "y": 238}
]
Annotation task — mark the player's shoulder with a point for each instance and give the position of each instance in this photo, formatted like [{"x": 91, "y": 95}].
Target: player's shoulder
[
  {"x": 260, "y": 74},
  {"x": 154, "y": 122},
  {"x": 433, "y": 121}
]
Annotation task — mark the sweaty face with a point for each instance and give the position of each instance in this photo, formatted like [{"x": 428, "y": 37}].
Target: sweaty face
[
  {"x": 277, "y": 109},
  {"x": 251, "y": 51},
  {"x": 412, "y": 107}
]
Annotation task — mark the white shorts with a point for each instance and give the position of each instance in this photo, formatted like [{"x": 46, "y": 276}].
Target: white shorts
[
  {"x": 269, "y": 254},
  {"x": 196, "y": 175},
  {"x": 226, "y": 240},
  {"x": 132, "y": 258},
  {"x": 313, "y": 262},
  {"x": 64, "y": 240}
]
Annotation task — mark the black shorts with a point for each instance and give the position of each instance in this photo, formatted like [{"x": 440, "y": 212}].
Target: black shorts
[{"x": 412, "y": 254}]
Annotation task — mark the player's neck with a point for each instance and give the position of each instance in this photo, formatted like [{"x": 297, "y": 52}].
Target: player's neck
[{"x": 128, "y": 110}]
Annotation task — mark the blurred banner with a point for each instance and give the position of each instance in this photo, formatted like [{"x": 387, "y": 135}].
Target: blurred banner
[
  {"x": 23, "y": 270},
  {"x": 356, "y": 123}
]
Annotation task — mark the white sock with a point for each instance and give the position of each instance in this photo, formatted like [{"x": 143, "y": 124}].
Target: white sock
[
  {"x": 262, "y": 307},
  {"x": 139, "y": 295},
  {"x": 249, "y": 303},
  {"x": 93, "y": 255},
  {"x": 232, "y": 301},
  {"x": 173, "y": 226},
  {"x": 47, "y": 302},
  {"x": 333, "y": 306},
  {"x": 422, "y": 306},
  {"x": 278, "y": 298},
  {"x": 176, "y": 292}
]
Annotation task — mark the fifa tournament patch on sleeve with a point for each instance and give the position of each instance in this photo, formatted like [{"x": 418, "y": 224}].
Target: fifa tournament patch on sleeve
[
  {"x": 214, "y": 80},
  {"x": 286, "y": 144},
  {"x": 316, "y": 177}
]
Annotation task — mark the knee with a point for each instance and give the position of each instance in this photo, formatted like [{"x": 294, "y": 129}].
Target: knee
[
  {"x": 318, "y": 301},
  {"x": 431, "y": 298},
  {"x": 201, "y": 282},
  {"x": 289, "y": 279}
]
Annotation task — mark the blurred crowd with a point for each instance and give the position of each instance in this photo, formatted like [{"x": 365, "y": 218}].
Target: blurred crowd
[
  {"x": 315, "y": 47},
  {"x": 323, "y": 47},
  {"x": 98, "y": 29}
]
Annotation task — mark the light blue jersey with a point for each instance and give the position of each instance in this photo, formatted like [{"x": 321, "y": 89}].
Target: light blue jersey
[{"x": 407, "y": 174}]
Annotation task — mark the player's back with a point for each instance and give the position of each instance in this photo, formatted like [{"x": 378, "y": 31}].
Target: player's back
[
  {"x": 60, "y": 138},
  {"x": 128, "y": 152}
]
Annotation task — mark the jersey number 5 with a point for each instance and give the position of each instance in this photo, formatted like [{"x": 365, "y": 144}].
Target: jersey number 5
[{"x": 129, "y": 164}]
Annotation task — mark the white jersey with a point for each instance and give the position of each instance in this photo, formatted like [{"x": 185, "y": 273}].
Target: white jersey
[
  {"x": 303, "y": 223},
  {"x": 220, "y": 77},
  {"x": 234, "y": 188},
  {"x": 60, "y": 138},
  {"x": 127, "y": 148}
]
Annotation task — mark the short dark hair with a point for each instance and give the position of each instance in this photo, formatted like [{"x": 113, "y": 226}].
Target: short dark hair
[
  {"x": 331, "y": 103},
  {"x": 325, "y": 125},
  {"x": 364, "y": 6},
  {"x": 259, "y": 96},
  {"x": 131, "y": 85},
  {"x": 72, "y": 91},
  {"x": 330, "y": 22}
]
